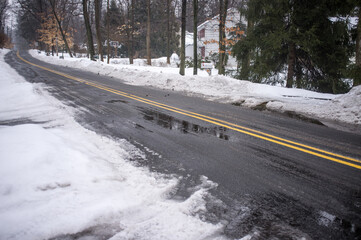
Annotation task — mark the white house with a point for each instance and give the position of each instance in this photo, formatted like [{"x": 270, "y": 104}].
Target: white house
[
  {"x": 189, "y": 45},
  {"x": 208, "y": 34}
]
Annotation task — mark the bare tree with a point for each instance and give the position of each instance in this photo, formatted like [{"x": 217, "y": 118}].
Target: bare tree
[
  {"x": 131, "y": 31},
  {"x": 53, "y": 6},
  {"x": 149, "y": 60},
  {"x": 223, "y": 5},
  {"x": 183, "y": 38},
  {"x": 357, "y": 79},
  {"x": 32, "y": 13},
  {"x": 108, "y": 32},
  {"x": 88, "y": 29},
  {"x": 195, "y": 47},
  {"x": 97, "y": 28},
  {"x": 3, "y": 7},
  {"x": 168, "y": 31}
]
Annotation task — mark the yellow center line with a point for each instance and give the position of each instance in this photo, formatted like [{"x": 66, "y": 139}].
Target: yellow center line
[
  {"x": 248, "y": 131},
  {"x": 221, "y": 121}
]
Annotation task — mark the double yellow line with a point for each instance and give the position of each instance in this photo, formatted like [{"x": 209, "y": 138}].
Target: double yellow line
[{"x": 352, "y": 162}]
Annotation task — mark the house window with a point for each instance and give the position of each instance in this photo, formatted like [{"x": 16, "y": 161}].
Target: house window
[
  {"x": 202, "y": 33},
  {"x": 203, "y": 51}
]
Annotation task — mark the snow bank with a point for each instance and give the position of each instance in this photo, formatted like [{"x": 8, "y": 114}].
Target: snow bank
[
  {"x": 59, "y": 179},
  {"x": 343, "y": 108}
]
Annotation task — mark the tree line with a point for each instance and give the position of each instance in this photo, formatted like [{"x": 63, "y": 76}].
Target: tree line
[
  {"x": 98, "y": 23},
  {"x": 4, "y": 33},
  {"x": 311, "y": 44},
  {"x": 144, "y": 28}
]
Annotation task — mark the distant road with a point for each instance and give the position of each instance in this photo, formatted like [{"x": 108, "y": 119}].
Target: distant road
[{"x": 278, "y": 177}]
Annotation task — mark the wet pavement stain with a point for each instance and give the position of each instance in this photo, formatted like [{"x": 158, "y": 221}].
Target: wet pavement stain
[
  {"x": 171, "y": 123},
  {"x": 116, "y": 100},
  {"x": 20, "y": 121}
]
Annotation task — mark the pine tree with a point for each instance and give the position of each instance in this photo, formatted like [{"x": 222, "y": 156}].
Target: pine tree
[{"x": 297, "y": 38}]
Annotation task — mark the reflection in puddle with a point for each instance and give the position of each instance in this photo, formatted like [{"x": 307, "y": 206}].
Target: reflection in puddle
[{"x": 172, "y": 123}]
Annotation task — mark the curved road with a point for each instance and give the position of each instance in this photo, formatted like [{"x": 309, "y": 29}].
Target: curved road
[{"x": 277, "y": 177}]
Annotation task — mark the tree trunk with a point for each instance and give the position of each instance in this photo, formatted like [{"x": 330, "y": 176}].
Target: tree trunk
[
  {"x": 224, "y": 59},
  {"x": 130, "y": 50},
  {"x": 223, "y": 5},
  {"x": 334, "y": 85},
  {"x": 220, "y": 40},
  {"x": 88, "y": 30},
  {"x": 57, "y": 45},
  {"x": 149, "y": 59},
  {"x": 40, "y": 3},
  {"x": 291, "y": 64},
  {"x": 168, "y": 31},
  {"x": 246, "y": 60},
  {"x": 245, "y": 66},
  {"x": 61, "y": 29},
  {"x": 97, "y": 27},
  {"x": 298, "y": 69},
  {"x": 52, "y": 48},
  {"x": 357, "y": 77},
  {"x": 108, "y": 32},
  {"x": 183, "y": 39},
  {"x": 195, "y": 37}
]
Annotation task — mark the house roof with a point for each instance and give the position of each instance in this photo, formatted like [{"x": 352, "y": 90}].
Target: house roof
[{"x": 216, "y": 17}]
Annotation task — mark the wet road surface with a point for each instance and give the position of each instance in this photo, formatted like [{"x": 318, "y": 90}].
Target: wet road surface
[{"x": 266, "y": 189}]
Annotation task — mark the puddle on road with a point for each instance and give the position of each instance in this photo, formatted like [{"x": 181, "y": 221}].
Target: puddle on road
[{"x": 182, "y": 126}]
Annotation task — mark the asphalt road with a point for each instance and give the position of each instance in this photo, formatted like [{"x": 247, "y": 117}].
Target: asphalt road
[{"x": 278, "y": 177}]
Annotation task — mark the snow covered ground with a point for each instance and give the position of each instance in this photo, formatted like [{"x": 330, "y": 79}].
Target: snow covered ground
[
  {"x": 59, "y": 179},
  {"x": 344, "y": 108}
]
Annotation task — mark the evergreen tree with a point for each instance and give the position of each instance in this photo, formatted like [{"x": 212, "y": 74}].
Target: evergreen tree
[{"x": 302, "y": 39}]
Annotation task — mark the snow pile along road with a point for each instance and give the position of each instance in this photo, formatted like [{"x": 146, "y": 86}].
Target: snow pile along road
[
  {"x": 58, "y": 179},
  {"x": 344, "y": 108}
]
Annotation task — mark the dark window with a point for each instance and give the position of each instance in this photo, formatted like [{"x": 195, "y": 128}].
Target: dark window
[
  {"x": 202, "y": 33},
  {"x": 203, "y": 51}
]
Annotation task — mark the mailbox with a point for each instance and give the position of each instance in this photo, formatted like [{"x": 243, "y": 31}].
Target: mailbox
[
  {"x": 205, "y": 65},
  {"x": 208, "y": 67}
]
